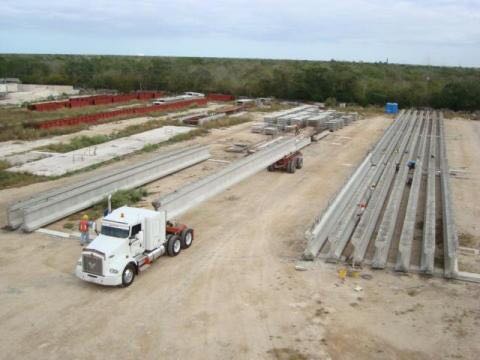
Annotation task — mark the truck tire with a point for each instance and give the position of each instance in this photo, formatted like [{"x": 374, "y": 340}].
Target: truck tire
[
  {"x": 187, "y": 238},
  {"x": 299, "y": 162},
  {"x": 174, "y": 245},
  {"x": 128, "y": 275},
  {"x": 271, "y": 167},
  {"x": 291, "y": 167}
]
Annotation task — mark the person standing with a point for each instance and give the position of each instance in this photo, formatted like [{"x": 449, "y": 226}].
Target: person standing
[{"x": 84, "y": 230}]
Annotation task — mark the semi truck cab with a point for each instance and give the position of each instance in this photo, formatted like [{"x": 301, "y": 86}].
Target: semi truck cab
[{"x": 129, "y": 241}]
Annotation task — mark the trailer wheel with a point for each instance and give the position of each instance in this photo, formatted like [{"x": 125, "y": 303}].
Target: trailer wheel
[
  {"x": 186, "y": 238},
  {"x": 299, "y": 162},
  {"x": 174, "y": 245},
  {"x": 291, "y": 167},
  {"x": 128, "y": 275},
  {"x": 271, "y": 167}
]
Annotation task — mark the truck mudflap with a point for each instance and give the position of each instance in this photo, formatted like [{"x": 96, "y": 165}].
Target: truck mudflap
[
  {"x": 111, "y": 280},
  {"x": 175, "y": 230}
]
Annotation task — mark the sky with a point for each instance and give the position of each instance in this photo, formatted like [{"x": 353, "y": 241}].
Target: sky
[{"x": 428, "y": 32}]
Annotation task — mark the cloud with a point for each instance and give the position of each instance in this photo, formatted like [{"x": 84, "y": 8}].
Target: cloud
[{"x": 355, "y": 23}]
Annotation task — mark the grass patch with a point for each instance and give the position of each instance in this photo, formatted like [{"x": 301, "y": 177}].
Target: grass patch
[
  {"x": 270, "y": 108},
  {"x": 226, "y": 122},
  {"x": 69, "y": 226},
  {"x": 12, "y": 179},
  {"x": 76, "y": 143},
  {"x": 468, "y": 240},
  {"x": 363, "y": 111}
]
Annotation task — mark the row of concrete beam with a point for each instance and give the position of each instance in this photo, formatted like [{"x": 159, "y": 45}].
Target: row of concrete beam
[
  {"x": 378, "y": 210},
  {"x": 50, "y": 206},
  {"x": 47, "y": 207}
]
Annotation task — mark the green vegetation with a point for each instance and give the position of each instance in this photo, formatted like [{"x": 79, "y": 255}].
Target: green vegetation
[
  {"x": 271, "y": 108},
  {"x": 361, "y": 83},
  {"x": 12, "y": 179},
  {"x": 226, "y": 122},
  {"x": 20, "y": 132},
  {"x": 76, "y": 143},
  {"x": 468, "y": 240},
  {"x": 125, "y": 197},
  {"x": 69, "y": 226}
]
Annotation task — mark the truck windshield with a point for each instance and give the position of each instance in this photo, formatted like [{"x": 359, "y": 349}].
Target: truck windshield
[{"x": 115, "y": 232}]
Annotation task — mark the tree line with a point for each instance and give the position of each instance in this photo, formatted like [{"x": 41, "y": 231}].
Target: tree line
[{"x": 352, "y": 82}]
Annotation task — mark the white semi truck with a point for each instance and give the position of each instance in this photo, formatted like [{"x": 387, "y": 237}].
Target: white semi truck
[{"x": 129, "y": 241}]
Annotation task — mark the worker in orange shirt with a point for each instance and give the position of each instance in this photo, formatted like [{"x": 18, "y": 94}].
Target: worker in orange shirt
[{"x": 83, "y": 227}]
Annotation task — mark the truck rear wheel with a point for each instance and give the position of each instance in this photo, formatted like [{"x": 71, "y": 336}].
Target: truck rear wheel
[
  {"x": 299, "y": 162},
  {"x": 186, "y": 238},
  {"x": 128, "y": 275},
  {"x": 291, "y": 166},
  {"x": 271, "y": 167},
  {"x": 174, "y": 245}
]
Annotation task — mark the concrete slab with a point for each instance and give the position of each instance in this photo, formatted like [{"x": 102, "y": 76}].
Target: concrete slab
[
  {"x": 63, "y": 163},
  {"x": 19, "y": 159}
]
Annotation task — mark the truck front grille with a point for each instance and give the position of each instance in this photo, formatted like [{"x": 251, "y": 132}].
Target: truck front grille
[{"x": 92, "y": 264}]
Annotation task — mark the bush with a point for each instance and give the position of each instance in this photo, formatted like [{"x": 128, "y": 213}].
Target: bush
[
  {"x": 331, "y": 102},
  {"x": 361, "y": 83},
  {"x": 126, "y": 197}
]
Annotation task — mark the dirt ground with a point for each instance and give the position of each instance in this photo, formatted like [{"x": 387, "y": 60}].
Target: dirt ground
[
  {"x": 236, "y": 293},
  {"x": 463, "y": 146}
]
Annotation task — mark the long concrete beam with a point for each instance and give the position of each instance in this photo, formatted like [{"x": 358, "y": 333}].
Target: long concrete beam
[
  {"x": 429, "y": 225},
  {"x": 54, "y": 205},
  {"x": 366, "y": 226},
  {"x": 318, "y": 233},
  {"x": 384, "y": 142},
  {"x": 387, "y": 225},
  {"x": 324, "y": 224},
  {"x": 450, "y": 237},
  {"x": 408, "y": 229},
  {"x": 183, "y": 199},
  {"x": 351, "y": 216}
]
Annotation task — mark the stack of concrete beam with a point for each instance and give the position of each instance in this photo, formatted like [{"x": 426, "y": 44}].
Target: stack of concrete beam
[
  {"x": 335, "y": 124},
  {"x": 258, "y": 127},
  {"x": 272, "y": 119},
  {"x": 348, "y": 119},
  {"x": 320, "y": 120},
  {"x": 308, "y": 115},
  {"x": 353, "y": 115},
  {"x": 270, "y": 130}
]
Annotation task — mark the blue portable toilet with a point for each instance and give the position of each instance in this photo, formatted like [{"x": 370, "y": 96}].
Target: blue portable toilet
[{"x": 391, "y": 108}]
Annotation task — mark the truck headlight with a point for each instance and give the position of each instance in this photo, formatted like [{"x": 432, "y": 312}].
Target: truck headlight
[{"x": 113, "y": 271}]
